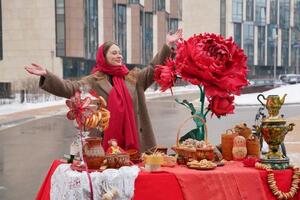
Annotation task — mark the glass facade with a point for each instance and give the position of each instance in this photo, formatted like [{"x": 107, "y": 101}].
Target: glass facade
[
  {"x": 248, "y": 42},
  {"x": 261, "y": 45},
  {"x": 77, "y": 67},
  {"x": 134, "y": 1},
  {"x": 260, "y": 12},
  {"x": 148, "y": 39},
  {"x": 238, "y": 33},
  {"x": 249, "y": 10},
  {"x": 273, "y": 11},
  {"x": 223, "y": 17},
  {"x": 120, "y": 27},
  {"x": 271, "y": 42},
  {"x": 266, "y": 37},
  {"x": 60, "y": 27},
  {"x": 237, "y": 10},
  {"x": 295, "y": 38},
  {"x": 295, "y": 49},
  {"x": 91, "y": 29},
  {"x": 114, "y": 29},
  {"x": 173, "y": 24},
  {"x": 285, "y": 48},
  {"x": 297, "y": 14},
  {"x": 160, "y": 5},
  {"x": 284, "y": 11}
]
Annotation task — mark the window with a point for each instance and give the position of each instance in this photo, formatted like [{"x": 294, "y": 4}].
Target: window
[
  {"x": 284, "y": 17},
  {"x": 60, "y": 27},
  {"x": 297, "y": 14},
  {"x": 5, "y": 89},
  {"x": 237, "y": 10},
  {"x": 173, "y": 26},
  {"x": 273, "y": 11},
  {"x": 91, "y": 28},
  {"x": 249, "y": 10},
  {"x": 249, "y": 42},
  {"x": 261, "y": 45},
  {"x": 120, "y": 27},
  {"x": 285, "y": 47},
  {"x": 134, "y": 1},
  {"x": 76, "y": 67},
  {"x": 260, "y": 12},
  {"x": 295, "y": 48},
  {"x": 161, "y": 5},
  {"x": 271, "y": 44},
  {"x": 238, "y": 33},
  {"x": 223, "y": 17},
  {"x": 148, "y": 37}
]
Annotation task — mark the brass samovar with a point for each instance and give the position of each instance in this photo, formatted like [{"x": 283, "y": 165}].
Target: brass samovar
[{"x": 273, "y": 130}]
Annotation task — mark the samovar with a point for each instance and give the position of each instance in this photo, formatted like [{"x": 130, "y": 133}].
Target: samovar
[{"x": 273, "y": 130}]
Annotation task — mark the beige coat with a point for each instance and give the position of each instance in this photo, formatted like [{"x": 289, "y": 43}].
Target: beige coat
[{"x": 137, "y": 82}]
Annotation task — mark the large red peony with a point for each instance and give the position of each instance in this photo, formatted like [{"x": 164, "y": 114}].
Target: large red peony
[{"x": 210, "y": 61}]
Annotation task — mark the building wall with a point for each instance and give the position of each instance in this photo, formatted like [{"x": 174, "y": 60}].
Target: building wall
[
  {"x": 28, "y": 29},
  {"x": 108, "y": 20},
  {"x": 200, "y": 16},
  {"x": 29, "y": 34},
  {"x": 74, "y": 21},
  {"x": 134, "y": 46}
]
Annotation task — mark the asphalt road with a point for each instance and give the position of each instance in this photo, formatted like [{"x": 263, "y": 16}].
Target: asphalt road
[{"x": 27, "y": 150}]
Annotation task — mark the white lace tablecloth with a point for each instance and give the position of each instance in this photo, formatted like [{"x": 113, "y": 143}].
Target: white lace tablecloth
[{"x": 72, "y": 185}]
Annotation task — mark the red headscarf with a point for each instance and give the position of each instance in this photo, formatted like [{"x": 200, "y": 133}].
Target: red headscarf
[{"x": 122, "y": 125}]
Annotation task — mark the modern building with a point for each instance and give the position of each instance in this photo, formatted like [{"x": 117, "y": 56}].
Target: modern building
[
  {"x": 64, "y": 35},
  {"x": 267, "y": 30}
]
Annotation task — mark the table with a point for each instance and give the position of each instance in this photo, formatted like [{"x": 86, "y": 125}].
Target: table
[{"x": 229, "y": 182}]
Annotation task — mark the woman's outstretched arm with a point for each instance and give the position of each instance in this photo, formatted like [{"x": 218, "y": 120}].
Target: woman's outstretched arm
[
  {"x": 145, "y": 78},
  {"x": 52, "y": 83}
]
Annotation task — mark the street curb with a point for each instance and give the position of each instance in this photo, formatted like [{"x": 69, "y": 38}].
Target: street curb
[{"x": 17, "y": 121}]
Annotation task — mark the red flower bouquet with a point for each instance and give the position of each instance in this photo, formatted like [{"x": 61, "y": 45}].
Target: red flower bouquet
[{"x": 216, "y": 65}]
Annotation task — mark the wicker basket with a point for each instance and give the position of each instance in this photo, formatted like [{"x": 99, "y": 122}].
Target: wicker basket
[
  {"x": 185, "y": 153},
  {"x": 117, "y": 160}
]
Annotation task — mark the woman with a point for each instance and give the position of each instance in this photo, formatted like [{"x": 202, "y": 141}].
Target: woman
[{"x": 123, "y": 90}]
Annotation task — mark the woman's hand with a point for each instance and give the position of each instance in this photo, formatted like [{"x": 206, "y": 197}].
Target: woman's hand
[
  {"x": 36, "y": 69},
  {"x": 173, "y": 38}
]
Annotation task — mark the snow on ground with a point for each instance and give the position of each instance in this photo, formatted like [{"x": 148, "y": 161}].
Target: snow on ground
[
  {"x": 292, "y": 91},
  {"x": 18, "y": 107}
]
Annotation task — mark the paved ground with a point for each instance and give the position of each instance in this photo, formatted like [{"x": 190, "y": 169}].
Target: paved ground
[
  {"x": 292, "y": 139},
  {"x": 24, "y": 116}
]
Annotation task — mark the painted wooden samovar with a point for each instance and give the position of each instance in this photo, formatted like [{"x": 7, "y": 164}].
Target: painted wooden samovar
[{"x": 273, "y": 130}]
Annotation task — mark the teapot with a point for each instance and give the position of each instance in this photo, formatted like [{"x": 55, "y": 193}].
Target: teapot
[{"x": 273, "y": 103}]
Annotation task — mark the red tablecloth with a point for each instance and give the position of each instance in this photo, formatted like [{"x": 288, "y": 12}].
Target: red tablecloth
[{"x": 167, "y": 185}]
